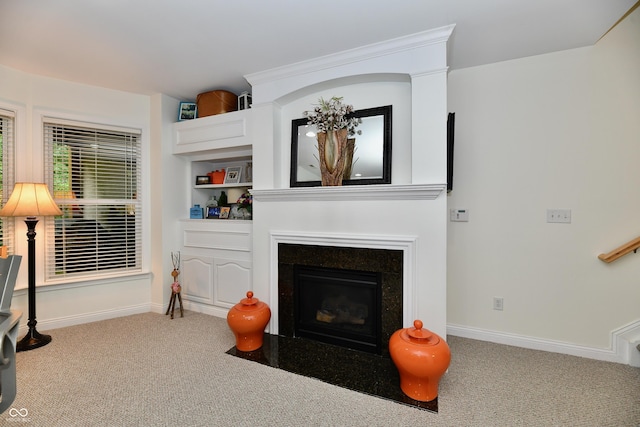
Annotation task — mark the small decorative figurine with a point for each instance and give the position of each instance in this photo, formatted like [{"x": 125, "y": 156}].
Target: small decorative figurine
[{"x": 175, "y": 286}]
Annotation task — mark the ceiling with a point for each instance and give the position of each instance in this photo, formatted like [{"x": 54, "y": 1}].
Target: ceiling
[{"x": 182, "y": 48}]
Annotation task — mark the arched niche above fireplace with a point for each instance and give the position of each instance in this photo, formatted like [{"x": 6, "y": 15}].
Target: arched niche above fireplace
[{"x": 370, "y": 159}]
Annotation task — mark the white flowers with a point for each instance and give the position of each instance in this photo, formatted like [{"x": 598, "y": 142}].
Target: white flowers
[{"x": 332, "y": 115}]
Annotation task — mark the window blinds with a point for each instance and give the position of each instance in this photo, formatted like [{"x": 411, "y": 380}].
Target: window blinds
[
  {"x": 94, "y": 173},
  {"x": 7, "y": 141}
]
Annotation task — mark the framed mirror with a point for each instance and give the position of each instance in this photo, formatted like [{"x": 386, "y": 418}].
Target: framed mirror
[{"x": 372, "y": 155}]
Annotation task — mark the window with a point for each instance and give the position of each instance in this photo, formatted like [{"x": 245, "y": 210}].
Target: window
[
  {"x": 94, "y": 173},
  {"x": 7, "y": 119}
]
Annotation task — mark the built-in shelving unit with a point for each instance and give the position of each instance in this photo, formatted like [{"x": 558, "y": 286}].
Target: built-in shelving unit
[
  {"x": 216, "y": 253},
  {"x": 214, "y": 143}
]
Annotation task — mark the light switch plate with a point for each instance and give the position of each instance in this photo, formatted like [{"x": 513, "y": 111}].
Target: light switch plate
[{"x": 559, "y": 215}]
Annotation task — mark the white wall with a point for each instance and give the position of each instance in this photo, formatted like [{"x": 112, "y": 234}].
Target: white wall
[
  {"x": 32, "y": 96},
  {"x": 552, "y": 131},
  {"x": 168, "y": 202}
]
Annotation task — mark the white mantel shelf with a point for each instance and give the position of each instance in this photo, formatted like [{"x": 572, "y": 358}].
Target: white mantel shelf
[{"x": 350, "y": 192}]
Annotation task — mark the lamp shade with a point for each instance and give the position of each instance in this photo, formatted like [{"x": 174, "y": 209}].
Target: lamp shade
[{"x": 30, "y": 199}]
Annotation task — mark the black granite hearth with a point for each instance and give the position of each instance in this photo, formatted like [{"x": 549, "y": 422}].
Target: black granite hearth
[{"x": 363, "y": 372}]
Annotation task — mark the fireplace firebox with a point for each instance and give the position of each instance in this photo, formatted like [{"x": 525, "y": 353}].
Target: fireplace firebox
[{"x": 338, "y": 306}]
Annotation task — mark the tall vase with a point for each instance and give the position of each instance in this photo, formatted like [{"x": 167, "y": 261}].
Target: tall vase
[
  {"x": 247, "y": 320},
  {"x": 348, "y": 162},
  {"x": 422, "y": 357},
  {"x": 332, "y": 150}
]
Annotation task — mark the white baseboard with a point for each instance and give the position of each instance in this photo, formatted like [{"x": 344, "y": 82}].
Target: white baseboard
[
  {"x": 619, "y": 352},
  {"x": 157, "y": 308},
  {"x": 78, "y": 319},
  {"x": 205, "y": 309},
  {"x": 626, "y": 343},
  {"x": 61, "y": 322}
]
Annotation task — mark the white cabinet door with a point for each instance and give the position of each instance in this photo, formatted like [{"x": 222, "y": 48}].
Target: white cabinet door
[
  {"x": 196, "y": 278},
  {"x": 216, "y": 264},
  {"x": 232, "y": 280}
]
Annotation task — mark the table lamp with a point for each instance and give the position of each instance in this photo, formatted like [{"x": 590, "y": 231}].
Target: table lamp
[{"x": 30, "y": 200}]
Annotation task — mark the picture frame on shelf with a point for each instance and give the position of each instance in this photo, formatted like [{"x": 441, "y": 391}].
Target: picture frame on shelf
[
  {"x": 224, "y": 212},
  {"x": 233, "y": 175},
  {"x": 202, "y": 180},
  {"x": 213, "y": 212},
  {"x": 187, "y": 111}
]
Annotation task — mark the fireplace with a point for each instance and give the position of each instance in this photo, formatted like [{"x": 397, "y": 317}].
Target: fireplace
[
  {"x": 405, "y": 221},
  {"x": 337, "y": 280},
  {"x": 375, "y": 269},
  {"x": 338, "y": 306}
]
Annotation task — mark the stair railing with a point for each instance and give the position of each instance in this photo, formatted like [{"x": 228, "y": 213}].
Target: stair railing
[{"x": 631, "y": 246}]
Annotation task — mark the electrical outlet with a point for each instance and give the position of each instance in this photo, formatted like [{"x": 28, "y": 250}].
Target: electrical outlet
[{"x": 498, "y": 303}]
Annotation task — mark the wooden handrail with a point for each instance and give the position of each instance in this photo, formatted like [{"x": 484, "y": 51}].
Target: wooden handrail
[{"x": 620, "y": 251}]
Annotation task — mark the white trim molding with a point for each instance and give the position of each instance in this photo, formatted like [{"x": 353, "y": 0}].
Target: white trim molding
[
  {"x": 415, "y": 54},
  {"x": 620, "y": 351},
  {"x": 350, "y": 192},
  {"x": 95, "y": 316}
]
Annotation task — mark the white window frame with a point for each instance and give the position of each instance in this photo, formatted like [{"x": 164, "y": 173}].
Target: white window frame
[
  {"x": 53, "y": 272},
  {"x": 8, "y": 117}
]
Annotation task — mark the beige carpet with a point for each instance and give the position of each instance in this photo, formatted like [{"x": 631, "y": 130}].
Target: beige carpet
[{"x": 147, "y": 370}]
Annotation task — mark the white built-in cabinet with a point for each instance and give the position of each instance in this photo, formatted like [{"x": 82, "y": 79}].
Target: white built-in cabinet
[{"x": 216, "y": 254}]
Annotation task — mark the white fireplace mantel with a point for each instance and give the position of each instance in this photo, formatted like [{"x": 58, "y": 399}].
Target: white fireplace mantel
[{"x": 350, "y": 192}]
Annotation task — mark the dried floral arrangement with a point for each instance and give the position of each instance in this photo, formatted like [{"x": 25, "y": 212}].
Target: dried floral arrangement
[{"x": 332, "y": 115}]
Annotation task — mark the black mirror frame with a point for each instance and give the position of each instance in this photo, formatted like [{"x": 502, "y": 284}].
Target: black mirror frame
[{"x": 386, "y": 149}]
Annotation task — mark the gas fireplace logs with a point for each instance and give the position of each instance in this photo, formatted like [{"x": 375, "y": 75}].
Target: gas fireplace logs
[{"x": 340, "y": 310}]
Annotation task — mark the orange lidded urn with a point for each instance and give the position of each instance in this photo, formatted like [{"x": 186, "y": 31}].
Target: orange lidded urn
[
  {"x": 247, "y": 320},
  {"x": 422, "y": 357},
  {"x": 217, "y": 176}
]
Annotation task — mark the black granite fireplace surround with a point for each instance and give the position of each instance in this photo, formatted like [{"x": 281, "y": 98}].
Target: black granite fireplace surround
[
  {"x": 387, "y": 263},
  {"x": 365, "y": 372}
]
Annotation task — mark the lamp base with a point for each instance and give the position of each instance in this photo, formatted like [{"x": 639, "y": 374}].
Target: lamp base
[{"x": 32, "y": 340}]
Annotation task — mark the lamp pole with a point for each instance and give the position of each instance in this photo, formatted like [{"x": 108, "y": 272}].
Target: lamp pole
[
  {"x": 30, "y": 200},
  {"x": 33, "y": 339}
]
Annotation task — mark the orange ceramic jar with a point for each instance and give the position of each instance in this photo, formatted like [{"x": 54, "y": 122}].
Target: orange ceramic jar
[
  {"x": 421, "y": 357},
  {"x": 247, "y": 320},
  {"x": 217, "y": 176}
]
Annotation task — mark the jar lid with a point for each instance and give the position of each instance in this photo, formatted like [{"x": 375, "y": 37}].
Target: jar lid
[
  {"x": 249, "y": 300},
  {"x": 425, "y": 336}
]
